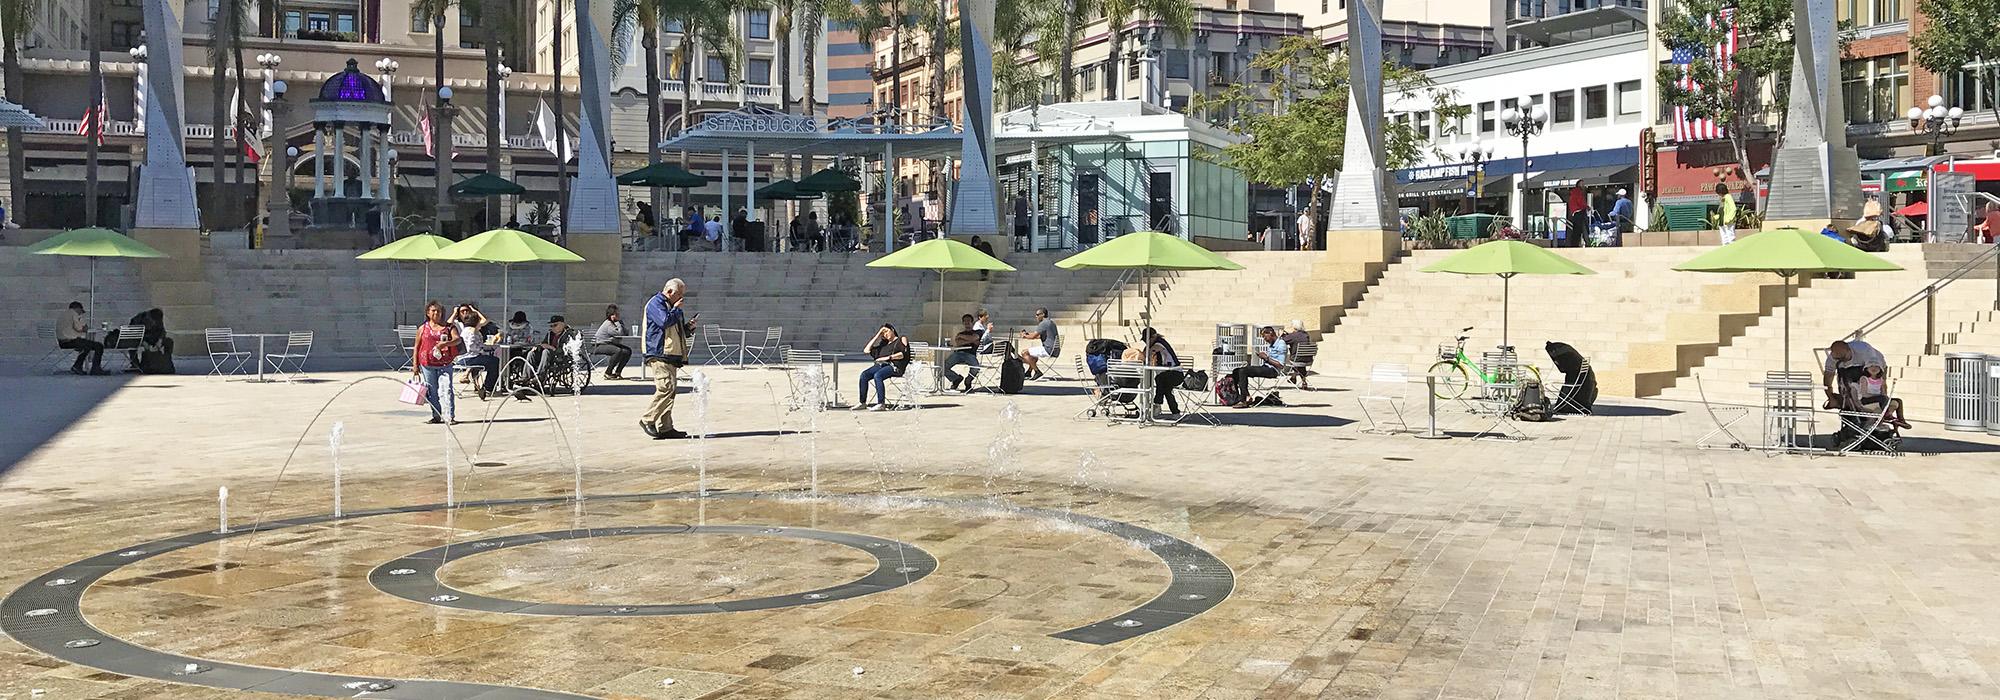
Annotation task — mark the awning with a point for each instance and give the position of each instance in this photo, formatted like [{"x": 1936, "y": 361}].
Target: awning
[
  {"x": 1904, "y": 163},
  {"x": 1981, "y": 170},
  {"x": 1454, "y": 187},
  {"x": 1588, "y": 177},
  {"x": 1903, "y": 181}
]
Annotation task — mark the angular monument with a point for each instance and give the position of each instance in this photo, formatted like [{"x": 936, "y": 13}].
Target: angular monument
[
  {"x": 1815, "y": 174},
  {"x": 975, "y": 206},
  {"x": 1358, "y": 216},
  {"x": 593, "y": 201},
  {"x": 166, "y": 189}
]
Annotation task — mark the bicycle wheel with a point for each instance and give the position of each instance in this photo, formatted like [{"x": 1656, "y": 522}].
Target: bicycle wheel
[{"x": 1452, "y": 379}]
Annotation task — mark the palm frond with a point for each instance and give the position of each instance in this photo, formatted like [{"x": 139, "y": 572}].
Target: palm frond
[{"x": 18, "y": 17}]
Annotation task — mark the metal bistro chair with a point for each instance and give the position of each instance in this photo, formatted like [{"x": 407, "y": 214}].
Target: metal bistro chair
[
  {"x": 1495, "y": 399},
  {"x": 909, "y": 393},
  {"x": 397, "y": 355},
  {"x": 1122, "y": 402},
  {"x": 771, "y": 349},
  {"x": 1299, "y": 364},
  {"x": 131, "y": 341},
  {"x": 298, "y": 346},
  {"x": 805, "y": 397},
  {"x": 222, "y": 351},
  {"x": 1194, "y": 402},
  {"x": 1788, "y": 405},
  {"x": 711, "y": 339},
  {"x": 1723, "y": 416},
  {"x": 1388, "y": 385},
  {"x": 45, "y": 334}
]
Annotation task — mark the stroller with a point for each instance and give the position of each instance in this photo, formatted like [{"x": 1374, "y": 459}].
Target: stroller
[
  {"x": 1097, "y": 357},
  {"x": 1864, "y": 422}
]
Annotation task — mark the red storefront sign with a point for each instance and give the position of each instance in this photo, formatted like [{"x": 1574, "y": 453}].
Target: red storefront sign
[
  {"x": 1982, "y": 170},
  {"x": 1693, "y": 169}
]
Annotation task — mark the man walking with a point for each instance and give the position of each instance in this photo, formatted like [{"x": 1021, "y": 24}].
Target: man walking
[{"x": 667, "y": 330}]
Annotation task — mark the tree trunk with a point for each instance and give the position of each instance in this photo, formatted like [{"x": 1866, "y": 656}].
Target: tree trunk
[
  {"x": 688, "y": 46},
  {"x": 489, "y": 20},
  {"x": 220, "y": 120},
  {"x": 810, "y": 43},
  {"x": 1114, "y": 84},
  {"x": 784, "y": 37},
  {"x": 17, "y": 158},
  {"x": 90, "y": 146},
  {"x": 1066, "y": 63},
  {"x": 940, "y": 173},
  {"x": 562, "y": 140},
  {"x": 649, "y": 39},
  {"x": 896, "y": 65},
  {"x": 242, "y": 109}
]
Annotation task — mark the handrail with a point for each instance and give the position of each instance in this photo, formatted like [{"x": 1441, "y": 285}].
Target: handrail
[
  {"x": 1095, "y": 321},
  {"x": 1928, "y": 297}
]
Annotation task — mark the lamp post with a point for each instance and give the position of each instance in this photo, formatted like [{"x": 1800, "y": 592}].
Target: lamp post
[
  {"x": 278, "y": 197},
  {"x": 500, "y": 73},
  {"x": 441, "y": 116},
  {"x": 1476, "y": 179},
  {"x": 1936, "y": 122},
  {"x": 138, "y": 54},
  {"x": 387, "y": 67},
  {"x": 269, "y": 62},
  {"x": 1524, "y": 121}
]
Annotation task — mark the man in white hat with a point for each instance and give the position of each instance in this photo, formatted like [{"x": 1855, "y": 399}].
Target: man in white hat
[{"x": 1621, "y": 210}]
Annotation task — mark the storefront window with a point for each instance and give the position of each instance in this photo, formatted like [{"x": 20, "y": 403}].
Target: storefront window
[{"x": 1969, "y": 87}]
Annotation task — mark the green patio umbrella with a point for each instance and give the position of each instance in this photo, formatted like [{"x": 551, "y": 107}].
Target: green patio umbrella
[
  {"x": 662, "y": 175},
  {"x": 829, "y": 180},
  {"x": 1147, "y": 251},
  {"x": 505, "y": 247},
  {"x": 1507, "y": 259},
  {"x": 784, "y": 189},
  {"x": 1787, "y": 252},
  {"x": 942, "y": 256},
  {"x": 418, "y": 249},
  {"x": 486, "y": 185},
  {"x": 94, "y": 243}
]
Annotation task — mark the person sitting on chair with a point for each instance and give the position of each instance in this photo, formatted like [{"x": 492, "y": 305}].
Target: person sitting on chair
[
  {"x": 1871, "y": 390},
  {"x": 1051, "y": 345},
  {"x": 1267, "y": 364},
  {"x": 892, "y": 356},
  {"x": 1160, "y": 353},
  {"x": 609, "y": 341},
  {"x": 72, "y": 333},
  {"x": 964, "y": 351},
  {"x": 544, "y": 354},
  {"x": 474, "y": 331},
  {"x": 1294, "y": 336},
  {"x": 1847, "y": 361}
]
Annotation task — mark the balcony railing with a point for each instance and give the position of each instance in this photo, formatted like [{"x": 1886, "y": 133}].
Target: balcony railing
[{"x": 722, "y": 92}]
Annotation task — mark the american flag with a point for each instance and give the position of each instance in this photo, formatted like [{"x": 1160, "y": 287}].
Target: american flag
[
  {"x": 1723, "y": 53},
  {"x": 92, "y": 125}
]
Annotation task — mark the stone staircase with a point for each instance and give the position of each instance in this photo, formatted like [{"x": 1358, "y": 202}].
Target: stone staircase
[
  {"x": 831, "y": 302},
  {"x": 1641, "y": 323},
  {"x": 1830, "y": 309}
]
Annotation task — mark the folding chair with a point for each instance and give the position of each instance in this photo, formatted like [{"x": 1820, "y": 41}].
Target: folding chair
[
  {"x": 1100, "y": 393},
  {"x": 771, "y": 347},
  {"x": 909, "y": 393},
  {"x": 397, "y": 355},
  {"x": 711, "y": 339},
  {"x": 222, "y": 351},
  {"x": 1495, "y": 398},
  {"x": 811, "y": 388},
  {"x": 1194, "y": 402},
  {"x": 1121, "y": 403},
  {"x": 1299, "y": 365},
  {"x": 1049, "y": 367},
  {"x": 298, "y": 345},
  {"x": 1723, "y": 417},
  {"x": 1788, "y": 405},
  {"x": 45, "y": 334},
  {"x": 1388, "y": 384},
  {"x": 1557, "y": 403},
  {"x": 131, "y": 341},
  {"x": 1870, "y": 426}
]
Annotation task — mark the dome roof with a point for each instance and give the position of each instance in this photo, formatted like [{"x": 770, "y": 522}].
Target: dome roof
[{"x": 351, "y": 85}]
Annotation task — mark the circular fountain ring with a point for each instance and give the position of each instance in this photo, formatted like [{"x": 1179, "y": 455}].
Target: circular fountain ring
[
  {"x": 45, "y": 614},
  {"x": 415, "y": 577}
]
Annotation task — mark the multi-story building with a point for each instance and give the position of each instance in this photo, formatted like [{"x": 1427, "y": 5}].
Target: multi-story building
[{"x": 1417, "y": 33}]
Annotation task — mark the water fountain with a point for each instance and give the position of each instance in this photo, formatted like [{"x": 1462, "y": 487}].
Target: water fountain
[
  {"x": 333, "y": 448},
  {"x": 702, "y": 386}
]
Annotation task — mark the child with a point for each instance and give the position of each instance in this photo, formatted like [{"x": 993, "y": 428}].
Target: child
[{"x": 1872, "y": 389}]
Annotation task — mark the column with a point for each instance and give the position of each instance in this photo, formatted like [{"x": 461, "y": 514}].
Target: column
[
  {"x": 339, "y": 159},
  {"x": 384, "y": 181},
  {"x": 1035, "y": 198},
  {"x": 750, "y": 181},
  {"x": 367, "y": 163},
  {"x": 727, "y": 217},
  {"x": 319, "y": 161}
]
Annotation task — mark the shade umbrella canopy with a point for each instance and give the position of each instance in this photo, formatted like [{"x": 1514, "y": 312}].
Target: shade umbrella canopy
[
  {"x": 662, "y": 175},
  {"x": 1507, "y": 259},
  {"x": 507, "y": 247},
  {"x": 1787, "y": 252},
  {"x": 784, "y": 189},
  {"x": 94, "y": 243},
  {"x": 1915, "y": 209},
  {"x": 829, "y": 180},
  {"x": 486, "y": 185},
  {"x": 942, "y": 256},
  {"x": 1149, "y": 250},
  {"x": 420, "y": 248}
]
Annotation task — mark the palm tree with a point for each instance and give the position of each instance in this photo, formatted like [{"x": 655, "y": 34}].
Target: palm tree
[
  {"x": 16, "y": 18},
  {"x": 225, "y": 43},
  {"x": 491, "y": 18},
  {"x": 441, "y": 152},
  {"x": 869, "y": 18},
  {"x": 1176, "y": 15},
  {"x": 703, "y": 23}
]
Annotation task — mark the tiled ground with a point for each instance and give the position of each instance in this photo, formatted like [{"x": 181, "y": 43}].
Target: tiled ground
[{"x": 1604, "y": 558}]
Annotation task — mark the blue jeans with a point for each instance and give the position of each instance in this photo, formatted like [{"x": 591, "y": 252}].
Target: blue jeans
[
  {"x": 437, "y": 385},
  {"x": 877, "y": 374}
]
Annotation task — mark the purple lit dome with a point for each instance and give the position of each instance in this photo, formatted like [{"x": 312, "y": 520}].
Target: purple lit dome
[{"x": 351, "y": 85}]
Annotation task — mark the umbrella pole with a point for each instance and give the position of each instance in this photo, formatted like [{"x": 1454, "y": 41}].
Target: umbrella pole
[
  {"x": 1506, "y": 300},
  {"x": 92, "y": 316},
  {"x": 940, "y": 314},
  {"x": 505, "y": 287},
  {"x": 1788, "y": 324}
]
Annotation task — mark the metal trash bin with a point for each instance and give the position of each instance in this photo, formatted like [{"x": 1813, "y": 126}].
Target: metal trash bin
[
  {"x": 1965, "y": 394},
  {"x": 1991, "y": 378}
]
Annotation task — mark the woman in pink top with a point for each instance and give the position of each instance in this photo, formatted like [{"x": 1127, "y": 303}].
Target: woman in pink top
[{"x": 437, "y": 346}]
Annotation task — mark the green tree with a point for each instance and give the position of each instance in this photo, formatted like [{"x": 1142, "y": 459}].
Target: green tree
[
  {"x": 1302, "y": 139},
  {"x": 1961, "y": 36},
  {"x": 17, "y": 17},
  {"x": 1729, "y": 98},
  {"x": 702, "y": 23}
]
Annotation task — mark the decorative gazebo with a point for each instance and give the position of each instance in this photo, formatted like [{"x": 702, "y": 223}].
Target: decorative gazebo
[{"x": 350, "y": 101}]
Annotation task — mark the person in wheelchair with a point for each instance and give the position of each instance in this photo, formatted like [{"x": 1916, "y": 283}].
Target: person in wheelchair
[{"x": 553, "y": 361}]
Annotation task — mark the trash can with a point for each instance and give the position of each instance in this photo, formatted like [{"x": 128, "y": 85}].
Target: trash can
[
  {"x": 1991, "y": 379},
  {"x": 1232, "y": 338},
  {"x": 1965, "y": 393}
]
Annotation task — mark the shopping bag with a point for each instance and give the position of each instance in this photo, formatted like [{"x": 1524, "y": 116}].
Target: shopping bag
[{"x": 414, "y": 393}]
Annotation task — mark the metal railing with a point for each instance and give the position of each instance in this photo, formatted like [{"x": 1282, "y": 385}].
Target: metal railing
[
  {"x": 1927, "y": 296},
  {"x": 1095, "y": 321}
]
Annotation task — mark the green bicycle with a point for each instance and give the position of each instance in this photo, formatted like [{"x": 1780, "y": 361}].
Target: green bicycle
[{"x": 1454, "y": 371}]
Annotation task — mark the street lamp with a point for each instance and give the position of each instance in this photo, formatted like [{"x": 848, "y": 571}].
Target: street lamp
[
  {"x": 1936, "y": 123},
  {"x": 1478, "y": 155},
  {"x": 387, "y": 67},
  {"x": 278, "y": 197},
  {"x": 1524, "y": 122},
  {"x": 441, "y": 116}
]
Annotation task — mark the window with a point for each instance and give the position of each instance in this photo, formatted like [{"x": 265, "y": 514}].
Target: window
[
  {"x": 760, "y": 24},
  {"x": 343, "y": 22},
  {"x": 1131, "y": 68},
  {"x": 673, "y": 26},
  {"x": 1485, "y": 117},
  {"x": 469, "y": 32},
  {"x": 1424, "y": 125},
  {"x": 419, "y": 24},
  {"x": 1876, "y": 89},
  {"x": 1509, "y": 103},
  {"x": 1562, "y": 107},
  {"x": 759, "y": 71},
  {"x": 1220, "y": 62},
  {"x": 1596, "y": 102},
  {"x": 124, "y": 35},
  {"x": 1175, "y": 63},
  {"x": 716, "y": 70},
  {"x": 1964, "y": 88},
  {"x": 294, "y": 20},
  {"x": 1628, "y": 98},
  {"x": 1265, "y": 76},
  {"x": 1087, "y": 78},
  {"x": 1868, "y": 13}
]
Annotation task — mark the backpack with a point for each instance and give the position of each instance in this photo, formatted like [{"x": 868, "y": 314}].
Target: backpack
[
  {"x": 1226, "y": 391},
  {"x": 1012, "y": 375},
  {"x": 1531, "y": 405}
]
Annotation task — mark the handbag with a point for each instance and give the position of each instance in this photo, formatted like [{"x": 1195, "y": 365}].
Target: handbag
[{"x": 414, "y": 393}]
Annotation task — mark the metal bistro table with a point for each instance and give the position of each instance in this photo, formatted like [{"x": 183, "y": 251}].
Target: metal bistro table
[
  {"x": 1788, "y": 403},
  {"x": 937, "y": 357},
  {"x": 742, "y": 338},
  {"x": 259, "y": 359}
]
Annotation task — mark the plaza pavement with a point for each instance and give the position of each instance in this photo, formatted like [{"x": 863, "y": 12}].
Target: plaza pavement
[{"x": 1604, "y": 558}]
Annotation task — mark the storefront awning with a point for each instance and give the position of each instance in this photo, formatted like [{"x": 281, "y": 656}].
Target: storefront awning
[
  {"x": 1454, "y": 187},
  {"x": 1904, "y": 181},
  {"x": 1588, "y": 177}
]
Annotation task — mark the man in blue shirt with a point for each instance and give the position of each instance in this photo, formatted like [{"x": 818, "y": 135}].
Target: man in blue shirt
[
  {"x": 1268, "y": 362},
  {"x": 666, "y": 348},
  {"x": 1621, "y": 211}
]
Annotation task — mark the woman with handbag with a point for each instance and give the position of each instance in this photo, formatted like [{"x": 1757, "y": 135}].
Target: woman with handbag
[{"x": 437, "y": 347}]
